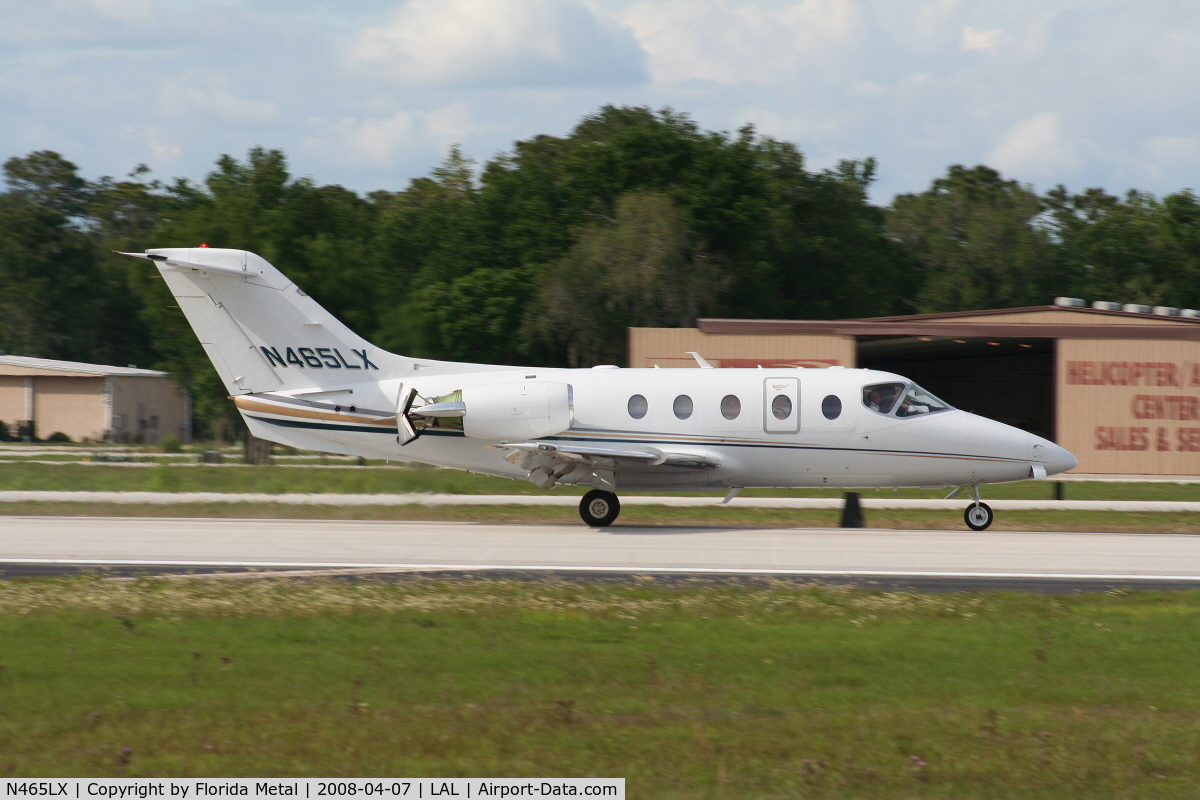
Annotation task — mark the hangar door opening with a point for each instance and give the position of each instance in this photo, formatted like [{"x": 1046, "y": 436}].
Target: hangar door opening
[{"x": 1008, "y": 380}]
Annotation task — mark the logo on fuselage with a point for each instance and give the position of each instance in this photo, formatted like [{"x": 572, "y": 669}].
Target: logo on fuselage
[{"x": 316, "y": 358}]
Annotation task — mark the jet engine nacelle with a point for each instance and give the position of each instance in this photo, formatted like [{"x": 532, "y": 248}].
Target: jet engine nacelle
[{"x": 511, "y": 411}]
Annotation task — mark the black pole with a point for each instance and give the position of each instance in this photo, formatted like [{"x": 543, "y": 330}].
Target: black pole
[
  {"x": 852, "y": 516},
  {"x": 1059, "y": 491}
]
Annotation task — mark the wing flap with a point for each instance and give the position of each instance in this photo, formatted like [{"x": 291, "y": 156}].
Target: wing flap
[{"x": 649, "y": 456}]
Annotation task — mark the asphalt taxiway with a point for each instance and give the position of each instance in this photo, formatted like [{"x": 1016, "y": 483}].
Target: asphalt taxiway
[{"x": 921, "y": 559}]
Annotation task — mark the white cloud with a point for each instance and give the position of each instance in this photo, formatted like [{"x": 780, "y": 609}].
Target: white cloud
[
  {"x": 454, "y": 124},
  {"x": 866, "y": 89},
  {"x": 1173, "y": 158},
  {"x": 383, "y": 142},
  {"x": 980, "y": 40},
  {"x": 1037, "y": 149},
  {"x": 123, "y": 10},
  {"x": 161, "y": 151},
  {"x": 494, "y": 43},
  {"x": 786, "y": 127},
  {"x": 1173, "y": 148},
  {"x": 370, "y": 143},
  {"x": 1071, "y": 91},
  {"x": 56, "y": 22},
  {"x": 730, "y": 43},
  {"x": 200, "y": 97}
]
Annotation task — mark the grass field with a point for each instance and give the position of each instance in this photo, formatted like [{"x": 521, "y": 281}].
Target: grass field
[
  {"x": 147, "y": 456},
  {"x": 383, "y": 480},
  {"x": 723, "y": 516},
  {"x": 269, "y": 479},
  {"x": 397, "y": 479},
  {"x": 687, "y": 691}
]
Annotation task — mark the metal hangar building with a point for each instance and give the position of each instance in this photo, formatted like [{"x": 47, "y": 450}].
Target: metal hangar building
[
  {"x": 1118, "y": 386},
  {"x": 91, "y": 402}
]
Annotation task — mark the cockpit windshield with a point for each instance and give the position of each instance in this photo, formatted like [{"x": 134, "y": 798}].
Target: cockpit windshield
[
  {"x": 919, "y": 401},
  {"x": 883, "y": 397}
]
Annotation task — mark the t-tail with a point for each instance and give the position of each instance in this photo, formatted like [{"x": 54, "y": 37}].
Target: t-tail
[{"x": 262, "y": 333}]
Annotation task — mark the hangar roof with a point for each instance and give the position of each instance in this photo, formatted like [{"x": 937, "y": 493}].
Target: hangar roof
[
  {"x": 26, "y": 366},
  {"x": 1048, "y": 322},
  {"x": 1070, "y": 315}
]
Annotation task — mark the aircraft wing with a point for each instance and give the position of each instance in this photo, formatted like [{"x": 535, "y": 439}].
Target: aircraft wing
[{"x": 648, "y": 456}]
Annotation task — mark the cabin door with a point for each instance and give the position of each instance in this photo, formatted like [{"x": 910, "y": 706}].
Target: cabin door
[{"x": 781, "y": 405}]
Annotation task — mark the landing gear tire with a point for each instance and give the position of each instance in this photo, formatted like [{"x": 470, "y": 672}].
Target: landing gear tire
[
  {"x": 599, "y": 508},
  {"x": 979, "y": 516}
]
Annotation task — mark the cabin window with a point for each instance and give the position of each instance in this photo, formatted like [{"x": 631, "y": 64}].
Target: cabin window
[
  {"x": 831, "y": 406},
  {"x": 682, "y": 406},
  {"x": 882, "y": 397},
  {"x": 781, "y": 406},
  {"x": 638, "y": 406},
  {"x": 918, "y": 401},
  {"x": 730, "y": 406}
]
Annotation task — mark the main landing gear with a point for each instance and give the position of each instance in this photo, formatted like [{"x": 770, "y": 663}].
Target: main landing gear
[
  {"x": 599, "y": 508},
  {"x": 978, "y": 515}
]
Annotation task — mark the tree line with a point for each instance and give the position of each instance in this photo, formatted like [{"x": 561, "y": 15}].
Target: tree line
[{"x": 546, "y": 254}]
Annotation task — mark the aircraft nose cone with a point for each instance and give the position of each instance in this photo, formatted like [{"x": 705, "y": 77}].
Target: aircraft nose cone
[{"x": 1056, "y": 459}]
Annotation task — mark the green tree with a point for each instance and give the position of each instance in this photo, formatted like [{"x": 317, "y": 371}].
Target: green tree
[
  {"x": 477, "y": 316},
  {"x": 777, "y": 239},
  {"x": 1135, "y": 249},
  {"x": 977, "y": 242},
  {"x": 641, "y": 269},
  {"x": 123, "y": 216},
  {"x": 47, "y": 179},
  {"x": 428, "y": 238},
  {"x": 48, "y": 280},
  {"x": 1180, "y": 213}
]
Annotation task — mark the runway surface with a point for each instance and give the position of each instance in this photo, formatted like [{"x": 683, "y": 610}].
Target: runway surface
[
  {"x": 41, "y": 544},
  {"x": 871, "y": 501}
]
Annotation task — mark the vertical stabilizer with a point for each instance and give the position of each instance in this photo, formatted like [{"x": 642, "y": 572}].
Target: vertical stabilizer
[{"x": 261, "y": 331}]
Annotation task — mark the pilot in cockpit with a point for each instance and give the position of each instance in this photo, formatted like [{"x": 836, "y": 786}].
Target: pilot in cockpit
[
  {"x": 909, "y": 406},
  {"x": 881, "y": 398}
]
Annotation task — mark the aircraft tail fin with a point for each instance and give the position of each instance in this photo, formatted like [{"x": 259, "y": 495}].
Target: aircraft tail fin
[{"x": 263, "y": 333}]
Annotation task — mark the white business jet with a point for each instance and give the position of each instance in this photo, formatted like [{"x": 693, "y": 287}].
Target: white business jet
[{"x": 301, "y": 378}]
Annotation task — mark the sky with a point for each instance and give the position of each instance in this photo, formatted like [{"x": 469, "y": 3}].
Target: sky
[{"x": 372, "y": 93}]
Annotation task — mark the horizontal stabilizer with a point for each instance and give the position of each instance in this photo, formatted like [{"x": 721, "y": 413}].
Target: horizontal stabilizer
[{"x": 177, "y": 264}]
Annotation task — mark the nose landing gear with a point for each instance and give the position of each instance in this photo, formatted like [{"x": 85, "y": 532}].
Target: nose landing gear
[
  {"x": 978, "y": 515},
  {"x": 599, "y": 508}
]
